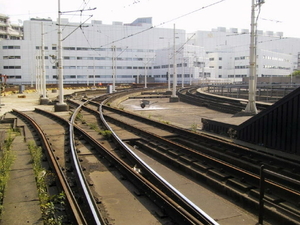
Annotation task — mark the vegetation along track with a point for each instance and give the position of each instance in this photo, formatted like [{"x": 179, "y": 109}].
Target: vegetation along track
[
  {"x": 55, "y": 177},
  {"x": 230, "y": 168}
]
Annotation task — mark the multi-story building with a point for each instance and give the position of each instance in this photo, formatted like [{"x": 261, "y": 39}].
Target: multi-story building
[
  {"x": 94, "y": 52},
  {"x": 9, "y": 31},
  {"x": 228, "y": 53}
]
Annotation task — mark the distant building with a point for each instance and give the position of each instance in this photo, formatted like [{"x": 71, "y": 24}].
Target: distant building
[
  {"x": 94, "y": 51},
  {"x": 228, "y": 53},
  {"x": 9, "y": 31}
]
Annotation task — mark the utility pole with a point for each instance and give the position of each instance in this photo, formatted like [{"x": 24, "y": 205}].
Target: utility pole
[
  {"x": 174, "y": 97},
  {"x": 61, "y": 105},
  {"x": 44, "y": 100},
  {"x": 113, "y": 49},
  {"x": 251, "y": 106}
]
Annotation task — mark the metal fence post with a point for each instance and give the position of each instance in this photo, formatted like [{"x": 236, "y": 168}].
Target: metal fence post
[{"x": 261, "y": 195}]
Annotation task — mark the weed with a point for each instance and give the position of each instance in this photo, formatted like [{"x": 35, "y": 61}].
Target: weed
[
  {"x": 7, "y": 159},
  {"x": 194, "y": 127},
  {"x": 47, "y": 202},
  {"x": 106, "y": 133}
]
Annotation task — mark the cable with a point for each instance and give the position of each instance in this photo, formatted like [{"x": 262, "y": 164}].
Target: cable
[{"x": 163, "y": 23}]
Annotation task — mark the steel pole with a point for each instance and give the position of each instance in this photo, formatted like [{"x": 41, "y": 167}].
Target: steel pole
[
  {"x": 251, "y": 106},
  {"x": 174, "y": 68},
  {"x": 60, "y": 62}
]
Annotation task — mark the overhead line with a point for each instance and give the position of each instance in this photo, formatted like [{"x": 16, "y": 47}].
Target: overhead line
[{"x": 204, "y": 7}]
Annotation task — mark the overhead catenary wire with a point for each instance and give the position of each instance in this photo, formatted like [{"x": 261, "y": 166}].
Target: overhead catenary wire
[{"x": 163, "y": 23}]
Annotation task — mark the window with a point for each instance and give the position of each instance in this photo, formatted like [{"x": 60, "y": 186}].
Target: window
[
  {"x": 11, "y": 57},
  {"x": 40, "y": 47},
  {"x": 69, "y": 48},
  {"x": 211, "y": 59},
  {"x": 69, "y": 57},
  {"x": 82, "y": 49},
  {"x": 11, "y": 47},
  {"x": 11, "y": 67}
]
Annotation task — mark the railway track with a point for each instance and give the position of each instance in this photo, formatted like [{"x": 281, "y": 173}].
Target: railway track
[
  {"x": 229, "y": 167},
  {"x": 73, "y": 212},
  {"x": 168, "y": 202},
  {"x": 223, "y": 165},
  {"x": 168, "y": 199},
  {"x": 221, "y": 104}
]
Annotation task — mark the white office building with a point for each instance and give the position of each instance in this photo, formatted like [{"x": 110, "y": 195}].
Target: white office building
[
  {"x": 227, "y": 53},
  {"x": 94, "y": 52}
]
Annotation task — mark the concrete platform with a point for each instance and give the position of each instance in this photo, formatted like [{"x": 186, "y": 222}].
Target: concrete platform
[
  {"x": 178, "y": 113},
  {"x": 21, "y": 204}
]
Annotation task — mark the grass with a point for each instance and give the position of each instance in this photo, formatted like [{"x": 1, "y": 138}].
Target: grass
[
  {"x": 7, "y": 159},
  {"x": 194, "y": 127},
  {"x": 48, "y": 203}
]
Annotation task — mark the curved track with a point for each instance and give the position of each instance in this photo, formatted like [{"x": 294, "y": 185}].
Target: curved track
[
  {"x": 230, "y": 167},
  {"x": 215, "y": 102}
]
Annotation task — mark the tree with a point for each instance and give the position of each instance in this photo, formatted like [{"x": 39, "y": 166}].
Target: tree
[{"x": 295, "y": 73}]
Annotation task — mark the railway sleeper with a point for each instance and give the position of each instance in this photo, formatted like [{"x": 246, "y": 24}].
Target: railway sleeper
[
  {"x": 240, "y": 184},
  {"x": 289, "y": 206},
  {"x": 220, "y": 175},
  {"x": 235, "y": 188},
  {"x": 268, "y": 196}
]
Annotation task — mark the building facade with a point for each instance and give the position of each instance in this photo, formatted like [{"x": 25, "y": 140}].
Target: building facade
[{"x": 94, "y": 52}]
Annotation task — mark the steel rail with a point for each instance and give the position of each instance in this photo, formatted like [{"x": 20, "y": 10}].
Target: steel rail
[
  {"x": 189, "y": 203},
  {"x": 87, "y": 192},
  {"x": 97, "y": 218},
  {"x": 78, "y": 215}
]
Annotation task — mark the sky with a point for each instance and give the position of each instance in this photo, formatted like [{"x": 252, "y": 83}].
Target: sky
[{"x": 191, "y": 15}]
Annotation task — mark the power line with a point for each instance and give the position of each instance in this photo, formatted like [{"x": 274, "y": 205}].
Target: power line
[{"x": 163, "y": 23}]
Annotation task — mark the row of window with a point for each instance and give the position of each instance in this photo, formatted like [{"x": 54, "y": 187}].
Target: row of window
[
  {"x": 99, "y": 76},
  {"x": 96, "y": 49},
  {"x": 11, "y": 47},
  {"x": 242, "y": 58},
  {"x": 275, "y": 58},
  {"x": 12, "y": 57},
  {"x": 82, "y": 49},
  {"x": 237, "y": 75},
  {"x": 102, "y": 58},
  {"x": 213, "y": 59},
  {"x": 276, "y": 67},
  {"x": 11, "y": 67},
  {"x": 242, "y": 67},
  {"x": 211, "y": 67}
]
